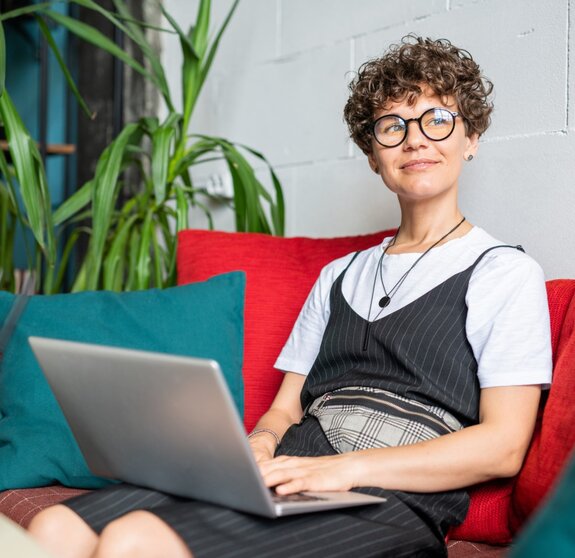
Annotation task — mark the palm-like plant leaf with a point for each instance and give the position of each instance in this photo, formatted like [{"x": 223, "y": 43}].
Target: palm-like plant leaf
[
  {"x": 31, "y": 176},
  {"x": 278, "y": 209},
  {"x": 212, "y": 52},
  {"x": 162, "y": 139},
  {"x": 95, "y": 37},
  {"x": 26, "y": 10},
  {"x": 2, "y": 59},
  {"x": 7, "y": 230},
  {"x": 143, "y": 272},
  {"x": 134, "y": 31},
  {"x": 115, "y": 261},
  {"x": 69, "y": 80},
  {"x": 104, "y": 196},
  {"x": 76, "y": 202}
]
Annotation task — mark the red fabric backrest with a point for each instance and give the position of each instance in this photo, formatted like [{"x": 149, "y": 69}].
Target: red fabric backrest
[
  {"x": 280, "y": 273},
  {"x": 554, "y": 436},
  {"x": 491, "y": 517}
]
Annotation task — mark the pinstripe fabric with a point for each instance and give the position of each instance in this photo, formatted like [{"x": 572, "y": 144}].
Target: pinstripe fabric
[
  {"x": 419, "y": 352},
  {"x": 402, "y": 527}
]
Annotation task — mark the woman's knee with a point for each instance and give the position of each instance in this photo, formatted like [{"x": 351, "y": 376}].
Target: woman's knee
[
  {"x": 140, "y": 534},
  {"x": 61, "y": 531}
]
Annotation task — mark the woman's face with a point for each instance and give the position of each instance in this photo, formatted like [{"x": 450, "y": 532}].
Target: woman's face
[{"x": 420, "y": 168}]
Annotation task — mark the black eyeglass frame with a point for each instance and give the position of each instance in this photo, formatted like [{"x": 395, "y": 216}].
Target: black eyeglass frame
[{"x": 406, "y": 121}]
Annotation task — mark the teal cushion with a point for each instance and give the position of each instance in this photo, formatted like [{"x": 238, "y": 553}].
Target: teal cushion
[
  {"x": 200, "y": 319},
  {"x": 552, "y": 531}
]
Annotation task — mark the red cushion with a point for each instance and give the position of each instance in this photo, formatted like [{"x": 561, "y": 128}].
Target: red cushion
[
  {"x": 488, "y": 517},
  {"x": 554, "y": 436},
  {"x": 280, "y": 273},
  {"x": 560, "y": 293}
]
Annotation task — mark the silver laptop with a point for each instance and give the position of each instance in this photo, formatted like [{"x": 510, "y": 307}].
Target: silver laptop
[{"x": 168, "y": 423}]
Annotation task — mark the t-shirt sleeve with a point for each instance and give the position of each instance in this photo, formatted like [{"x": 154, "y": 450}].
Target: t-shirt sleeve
[
  {"x": 302, "y": 346},
  {"x": 508, "y": 321}
]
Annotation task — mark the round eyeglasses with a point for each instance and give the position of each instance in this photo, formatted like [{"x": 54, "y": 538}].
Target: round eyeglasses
[{"x": 435, "y": 124}]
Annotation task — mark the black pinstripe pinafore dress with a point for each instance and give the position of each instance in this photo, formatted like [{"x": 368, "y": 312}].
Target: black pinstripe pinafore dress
[{"x": 419, "y": 352}]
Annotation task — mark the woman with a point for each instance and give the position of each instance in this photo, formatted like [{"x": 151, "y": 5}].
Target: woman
[{"x": 413, "y": 371}]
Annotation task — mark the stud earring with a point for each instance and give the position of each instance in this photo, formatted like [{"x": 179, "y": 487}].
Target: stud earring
[{"x": 470, "y": 157}]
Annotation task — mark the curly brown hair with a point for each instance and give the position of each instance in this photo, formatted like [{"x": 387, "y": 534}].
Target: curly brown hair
[{"x": 399, "y": 74}]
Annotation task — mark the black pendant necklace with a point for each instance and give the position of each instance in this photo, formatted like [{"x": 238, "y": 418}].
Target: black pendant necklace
[{"x": 385, "y": 300}]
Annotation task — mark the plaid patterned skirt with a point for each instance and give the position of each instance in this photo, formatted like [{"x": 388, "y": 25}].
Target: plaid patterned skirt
[{"x": 360, "y": 418}]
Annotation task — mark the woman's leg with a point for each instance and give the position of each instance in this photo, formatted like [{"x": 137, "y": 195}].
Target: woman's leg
[
  {"x": 140, "y": 534},
  {"x": 63, "y": 533}
]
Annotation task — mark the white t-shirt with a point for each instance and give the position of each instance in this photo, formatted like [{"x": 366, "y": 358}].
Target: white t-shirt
[{"x": 508, "y": 316}]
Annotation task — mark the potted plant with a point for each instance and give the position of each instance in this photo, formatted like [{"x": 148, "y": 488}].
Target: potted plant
[{"x": 131, "y": 238}]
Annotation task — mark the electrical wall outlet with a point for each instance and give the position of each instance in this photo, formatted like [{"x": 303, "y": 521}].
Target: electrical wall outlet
[{"x": 217, "y": 184}]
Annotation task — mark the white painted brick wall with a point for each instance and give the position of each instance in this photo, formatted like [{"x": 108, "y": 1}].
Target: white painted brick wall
[{"x": 279, "y": 84}]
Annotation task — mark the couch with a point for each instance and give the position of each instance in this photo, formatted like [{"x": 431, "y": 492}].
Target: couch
[{"x": 280, "y": 272}]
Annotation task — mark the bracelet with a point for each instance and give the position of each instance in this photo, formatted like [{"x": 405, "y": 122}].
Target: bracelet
[{"x": 269, "y": 431}]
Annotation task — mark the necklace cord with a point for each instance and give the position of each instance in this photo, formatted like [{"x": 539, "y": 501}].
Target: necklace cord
[
  {"x": 385, "y": 300},
  {"x": 395, "y": 288}
]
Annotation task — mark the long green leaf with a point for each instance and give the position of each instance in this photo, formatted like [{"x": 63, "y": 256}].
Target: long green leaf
[
  {"x": 114, "y": 264},
  {"x": 190, "y": 80},
  {"x": 239, "y": 198},
  {"x": 178, "y": 29},
  {"x": 8, "y": 178},
  {"x": 190, "y": 68},
  {"x": 170, "y": 253},
  {"x": 131, "y": 281},
  {"x": 198, "y": 34},
  {"x": 246, "y": 190},
  {"x": 162, "y": 139},
  {"x": 77, "y": 201},
  {"x": 104, "y": 196},
  {"x": 65, "y": 258},
  {"x": 118, "y": 19},
  {"x": 30, "y": 174},
  {"x": 192, "y": 59},
  {"x": 207, "y": 213},
  {"x": 143, "y": 257},
  {"x": 134, "y": 30},
  {"x": 95, "y": 37},
  {"x": 49, "y": 265},
  {"x": 80, "y": 280},
  {"x": 8, "y": 223},
  {"x": 27, "y": 10},
  {"x": 68, "y": 76},
  {"x": 190, "y": 157},
  {"x": 7, "y": 172},
  {"x": 182, "y": 210},
  {"x": 157, "y": 261},
  {"x": 207, "y": 64},
  {"x": 2, "y": 59},
  {"x": 277, "y": 209}
]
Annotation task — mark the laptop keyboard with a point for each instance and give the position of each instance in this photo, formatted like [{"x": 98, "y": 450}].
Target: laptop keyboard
[{"x": 297, "y": 497}]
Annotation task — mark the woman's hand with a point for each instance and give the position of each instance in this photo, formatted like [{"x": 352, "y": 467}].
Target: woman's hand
[
  {"x": 284, "y": 411},
  {"x": 297, "y": 474},
  {"x": 262, "y": 448}
]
